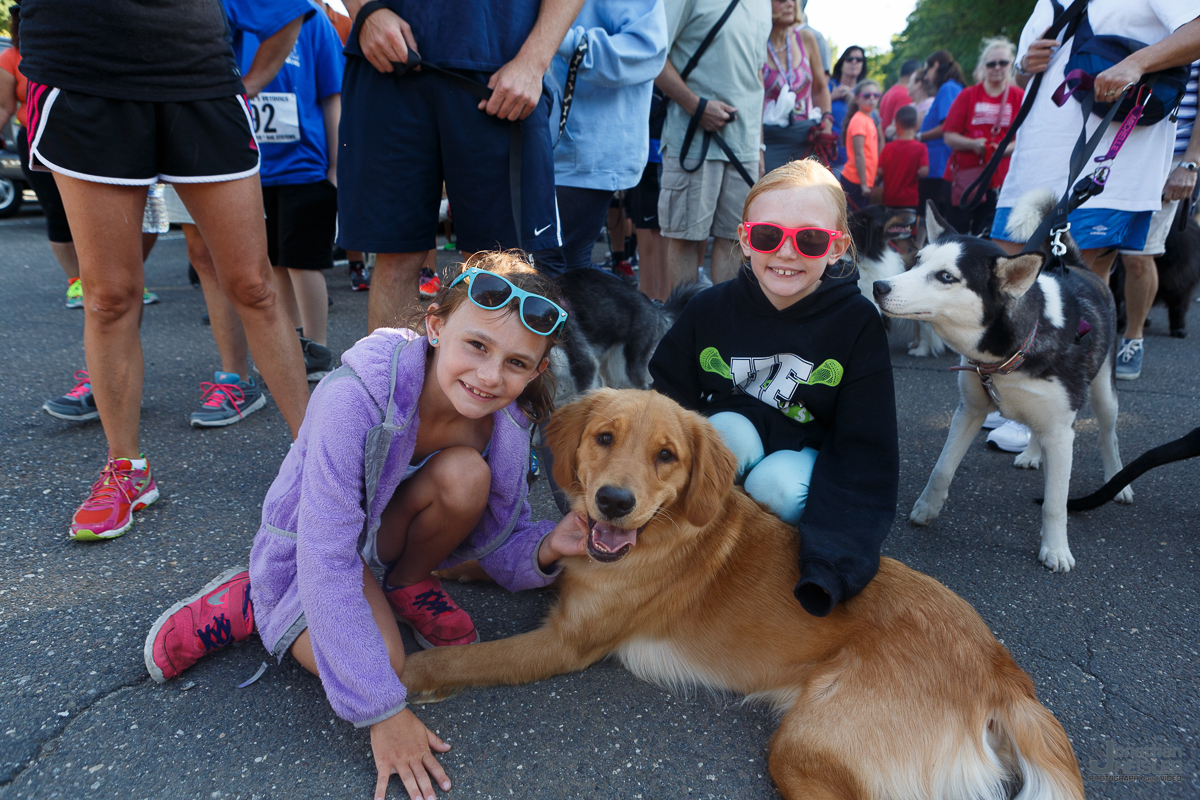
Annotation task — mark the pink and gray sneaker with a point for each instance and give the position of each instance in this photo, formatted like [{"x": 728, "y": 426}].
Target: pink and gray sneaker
[
  {"x": 435, "y": 619},
  {"x": 124, "y": 486},
  {"x": 218, "y": 614}
]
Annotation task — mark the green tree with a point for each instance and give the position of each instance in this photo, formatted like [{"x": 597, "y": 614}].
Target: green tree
[
  {"x": 955, "y": 25},
  {"x": 4, "y": 18}
]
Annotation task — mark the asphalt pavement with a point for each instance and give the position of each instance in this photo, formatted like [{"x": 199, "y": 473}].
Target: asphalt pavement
[{"x": 1111, "y": 646}]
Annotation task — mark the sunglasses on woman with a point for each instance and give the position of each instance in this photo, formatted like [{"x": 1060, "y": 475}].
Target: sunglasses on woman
[
  {"x": 491, "y": 291},
  {"x": 870, "y": 96},
  {"x": 857, "y": 59},
  {"x": 994, "y": 64},
  {"x": 767, "y": 237}
]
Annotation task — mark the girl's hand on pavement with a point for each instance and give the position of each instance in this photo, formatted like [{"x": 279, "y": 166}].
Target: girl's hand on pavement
[{"x": 403, "y": 745}]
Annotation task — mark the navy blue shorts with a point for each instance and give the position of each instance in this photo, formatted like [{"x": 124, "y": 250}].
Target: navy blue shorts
[{"x": 401, "y": 137}]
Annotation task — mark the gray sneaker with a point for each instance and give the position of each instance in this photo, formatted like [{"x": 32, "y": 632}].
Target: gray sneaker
[
  {"x": 228, "y": 399},
  {"x": 318, "y": 359},
  {"x": 77, "y": 405},
  {"x": 1129, "y": 360}
]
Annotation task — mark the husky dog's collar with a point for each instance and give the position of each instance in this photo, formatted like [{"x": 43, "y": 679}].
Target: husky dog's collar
[{"x": 1013, "y": 363}]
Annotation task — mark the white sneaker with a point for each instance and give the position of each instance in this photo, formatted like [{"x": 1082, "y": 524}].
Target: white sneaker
[
  {"x": 1012, "y": 437},
  {"x": 994, "y": 420}
]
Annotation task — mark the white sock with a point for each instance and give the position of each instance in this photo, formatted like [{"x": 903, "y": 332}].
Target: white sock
[{"x": 137, "y": 463}]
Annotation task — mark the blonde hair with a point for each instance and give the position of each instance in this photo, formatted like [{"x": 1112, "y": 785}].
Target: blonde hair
[
  {"x": 537, "y": 401},
  {"x": 991, "y": 43},
  {"x": 801, "y": 175}
]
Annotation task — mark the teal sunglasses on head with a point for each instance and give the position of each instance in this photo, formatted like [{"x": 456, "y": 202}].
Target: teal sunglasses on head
[{"x": 491, "y": 291}]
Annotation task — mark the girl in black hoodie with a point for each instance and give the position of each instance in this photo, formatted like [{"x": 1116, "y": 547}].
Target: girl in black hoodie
[{"x": 790, "y": 363}]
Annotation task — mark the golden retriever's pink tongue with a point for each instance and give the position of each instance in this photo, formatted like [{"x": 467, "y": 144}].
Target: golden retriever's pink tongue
[{"x": 612, "y": 538}]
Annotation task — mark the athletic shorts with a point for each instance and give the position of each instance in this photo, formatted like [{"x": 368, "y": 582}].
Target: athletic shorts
[
  {"x": 402, "y": 137},
  {"x": 1094, "y": 228},
  {"x": 301, "y": 223},
  {"x": 641, "y": 202},
  {"x": 1160, "y": 225},
  {"x": 707, "y": 202},
  {"x": 138, "y": 143}
]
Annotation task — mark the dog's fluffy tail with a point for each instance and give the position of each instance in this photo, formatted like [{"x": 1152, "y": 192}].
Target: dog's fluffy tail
[
  {"x": 1028, "y": 213},
  {"x": 1032, "y": 742},
  {"x": 680, "y": 296}
]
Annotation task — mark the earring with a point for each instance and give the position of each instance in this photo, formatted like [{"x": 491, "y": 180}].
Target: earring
[{"x": 433, "y": 340}]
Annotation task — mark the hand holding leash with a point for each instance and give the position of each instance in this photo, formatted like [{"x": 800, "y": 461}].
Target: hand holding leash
[
  {"x": 1038, "y": 56},
  {"x": 402, "y": 744},
  {"x": 385, "y": 38},
  {"x": 516, "y": 88},
  {"x": 1116, "y": 80}
]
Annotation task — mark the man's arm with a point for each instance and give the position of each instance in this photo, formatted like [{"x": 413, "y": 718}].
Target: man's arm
[
  {"x": 331, "y": 112},
  {"x": 272, "y": 52},
  {"x": 1182, "y": 182},
  {"x": 1181, "y": 47},
  {"x": 517, "y": 86},
  {"x": 716, "y": 113}
]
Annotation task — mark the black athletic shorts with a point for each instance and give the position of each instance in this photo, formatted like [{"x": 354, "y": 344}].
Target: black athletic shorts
[
  {"x": 641, "y": 202},
  {"x": 138, "y": 143},
  {"x": 301, "y": 223}
]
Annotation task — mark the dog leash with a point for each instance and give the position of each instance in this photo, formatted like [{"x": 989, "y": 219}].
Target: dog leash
[
  {"x": 1007, "y": 367},
  {"x": 477, "y": 89},
  {"x": 709, "y": 138}
]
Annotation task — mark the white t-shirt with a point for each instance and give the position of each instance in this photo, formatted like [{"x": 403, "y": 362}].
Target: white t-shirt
[{"x": 1044, "y": 142}]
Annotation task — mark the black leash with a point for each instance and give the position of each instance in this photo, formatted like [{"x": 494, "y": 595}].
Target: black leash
[
  {"x": 568, "y": 95},
  {"x": 709, "y": 138},
  {"x": 475, "y": 88}
]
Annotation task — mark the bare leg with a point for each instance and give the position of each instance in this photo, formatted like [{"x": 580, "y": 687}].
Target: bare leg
[
  {"x": 653, "y": 279},
  {"x": 393, "y": 288},
  {"x": 287, "y": 296},
  {"x": 64, "y": 252},
  {"x": 230, "y": 217},
  {"x": 302, "y": 648},
  {"x": 312, "y": 296},
  {"x": 431, "y": 513},
  {"x": 682, "y": 257},
  {"x": 106, "y": 223},
  {"x": 1100, "y": 260},
  {"x": 726, "y": 259},
  {"x": 1141, "y": 285},
  {"x": 148, "y": 242},
  {"x": 227, "y": 328}
]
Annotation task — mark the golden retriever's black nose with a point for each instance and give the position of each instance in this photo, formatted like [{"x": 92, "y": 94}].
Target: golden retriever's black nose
[{"x": 614, "y": 502}]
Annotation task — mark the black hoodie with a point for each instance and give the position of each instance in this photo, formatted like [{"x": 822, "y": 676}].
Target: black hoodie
[{"x": 728, "y": 351}]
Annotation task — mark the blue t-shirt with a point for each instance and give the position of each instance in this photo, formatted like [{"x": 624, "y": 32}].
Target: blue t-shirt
[
  {"x": 262, "y": 19},
  {"x": 312, "y": 72},
  {"x": 939, "y": 151},
  {"x": 475, "y": 35}
]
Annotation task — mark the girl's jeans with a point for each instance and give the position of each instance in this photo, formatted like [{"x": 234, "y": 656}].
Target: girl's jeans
[{"x": 778, "y": 481}]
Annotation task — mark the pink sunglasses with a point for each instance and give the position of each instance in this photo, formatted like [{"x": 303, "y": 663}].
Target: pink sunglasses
[{"x": 767, "y": 237}]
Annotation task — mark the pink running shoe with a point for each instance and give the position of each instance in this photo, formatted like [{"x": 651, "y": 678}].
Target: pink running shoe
[
  {"x": 435, "y": 619},
  {"x": 117, "y": 493},
  {"x": 218, "y": 614}
]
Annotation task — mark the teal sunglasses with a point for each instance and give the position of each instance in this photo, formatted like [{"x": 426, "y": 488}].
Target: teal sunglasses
[{"x": 491, "y": 291}]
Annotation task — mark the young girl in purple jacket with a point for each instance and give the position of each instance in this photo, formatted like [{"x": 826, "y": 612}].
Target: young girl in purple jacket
[{"x": 412, "y": 456}]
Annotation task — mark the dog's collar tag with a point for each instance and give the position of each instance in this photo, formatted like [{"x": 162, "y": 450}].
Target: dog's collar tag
[{"x": 986, "y": 380}]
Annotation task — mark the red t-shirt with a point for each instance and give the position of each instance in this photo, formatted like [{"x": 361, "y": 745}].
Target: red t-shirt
[
  {"x": 900, "y": 161},
  {"x": 975, "y": 114},
  {"x": 10, "y": 61},
  {"x": 891, "y": 102}
]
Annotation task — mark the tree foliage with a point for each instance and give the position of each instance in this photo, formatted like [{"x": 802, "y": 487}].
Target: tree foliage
[
  {"x": 955, "y": 25},
  {"x": 3, "y": 18}
]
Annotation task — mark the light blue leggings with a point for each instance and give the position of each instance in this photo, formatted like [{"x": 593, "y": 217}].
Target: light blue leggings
[{"x": 778, "y": 481}]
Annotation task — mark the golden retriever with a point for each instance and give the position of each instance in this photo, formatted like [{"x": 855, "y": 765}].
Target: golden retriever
[{"x": 901, "y": 692}]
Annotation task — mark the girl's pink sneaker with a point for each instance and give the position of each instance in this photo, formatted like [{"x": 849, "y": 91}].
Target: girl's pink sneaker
[
  {"x": 218, "y": 614},
  {"x": 435, "y": 619}
]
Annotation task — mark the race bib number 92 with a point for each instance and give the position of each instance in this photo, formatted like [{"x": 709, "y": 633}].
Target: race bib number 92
[{"x": 275, "y": 118}]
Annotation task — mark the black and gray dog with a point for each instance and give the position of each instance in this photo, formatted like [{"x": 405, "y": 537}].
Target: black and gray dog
[
  {"x": 1034, "y": 343},
  {"x": 612, "y": 331},
  {"x": 1178, "y": 277}
]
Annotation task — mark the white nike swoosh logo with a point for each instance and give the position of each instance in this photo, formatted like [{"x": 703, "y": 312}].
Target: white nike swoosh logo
[{"x": 540, "y": 231}]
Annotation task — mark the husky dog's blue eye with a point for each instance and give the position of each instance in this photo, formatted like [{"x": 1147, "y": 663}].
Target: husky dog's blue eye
[{"x": 946, "y": 277}]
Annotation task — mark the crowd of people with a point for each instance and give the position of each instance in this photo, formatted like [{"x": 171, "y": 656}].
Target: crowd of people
[{"x": 274, "y": 131}]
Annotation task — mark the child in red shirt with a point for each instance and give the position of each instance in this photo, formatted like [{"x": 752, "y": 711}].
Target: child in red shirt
[{"x": 902, "y": 163}]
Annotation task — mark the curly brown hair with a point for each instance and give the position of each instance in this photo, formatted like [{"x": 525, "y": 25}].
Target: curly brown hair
[{"x": 537, "y": 401}]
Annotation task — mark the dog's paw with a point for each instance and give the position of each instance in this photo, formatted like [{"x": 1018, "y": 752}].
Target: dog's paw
[
  {"x": 920, "y": 350},
  {"x": 1027, "y": 460},
  {"x": 1125, "y": 495},
  {"x": 1058, "y": 559},
  {"x": 427, "y": 696},
  {"x": 924, "y": 512}
]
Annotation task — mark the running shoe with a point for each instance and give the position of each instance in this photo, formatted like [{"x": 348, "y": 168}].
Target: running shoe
[
  {"x": 124, "y": 486},
  {"x": 435, "y": 619},
  {"x": 77, "y": 405},
  {"x": 359, "y": 281},
  {"x": 994, "y": 420},
  {"x": 218, "y": 614},
  {"x": 228, "y": 399},
  {"x": 75, "y": 293},
  {"x": 1129, "y": 359},
  {"x": 429, "y": 284},
  {"x": 149, "y": 298},
  {"x": 623, "y": 269},
  {"x": 318, "y": 359},
  {"x": 1011, "y": 437}
]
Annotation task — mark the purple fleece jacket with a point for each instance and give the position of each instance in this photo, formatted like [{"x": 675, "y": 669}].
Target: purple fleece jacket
[{"x": 357, "y": 439}]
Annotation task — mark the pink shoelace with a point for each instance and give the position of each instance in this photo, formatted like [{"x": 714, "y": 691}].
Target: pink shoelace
[
  {"x": 214, "y": 395},
  {"x": 83, "y": 386}
]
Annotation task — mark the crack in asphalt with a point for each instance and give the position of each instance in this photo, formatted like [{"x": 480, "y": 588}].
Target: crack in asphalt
[{"x": 45, "y": 743}]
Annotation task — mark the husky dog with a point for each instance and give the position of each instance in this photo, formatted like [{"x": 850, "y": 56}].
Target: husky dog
[
  {"x": 873, "y": 228},
  {"x": 1032, "y": 343},
  {"x": 612, "y": 331}
]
